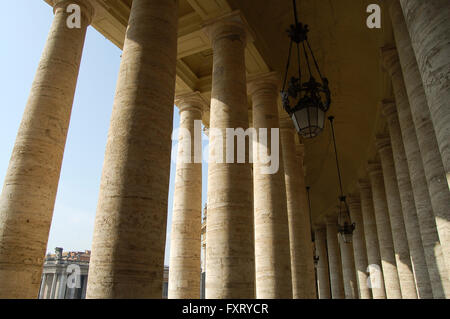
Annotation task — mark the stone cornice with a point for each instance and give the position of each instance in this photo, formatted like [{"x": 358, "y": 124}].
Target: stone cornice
[{"x": 87, "y": 9}]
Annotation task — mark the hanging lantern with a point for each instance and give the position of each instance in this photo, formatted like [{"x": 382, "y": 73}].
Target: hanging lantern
[
  {"x": 306, "y": 102},
  {"x": 345, "y": 225}
]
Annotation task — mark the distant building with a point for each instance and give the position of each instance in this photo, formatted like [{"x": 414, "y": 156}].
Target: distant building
[
  {"x": 59, "y": 278},
  {"x": 65, "y": 275}
]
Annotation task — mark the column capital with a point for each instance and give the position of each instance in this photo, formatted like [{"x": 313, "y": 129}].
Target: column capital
[
  {"x": 364, "y": 184},
  {"x": 231, "y": 25},
  {"x": 354, "y": 200},
  {"x": 390, "y": 59},
  {"x": 388, "y": 107},
  {"x": 382, "y": 142},
  {"x": 331, "y": 219},
  {"x": 266, "y": 82},
  {"x": 374, "y": 167},
  {"x": 87, "y": 9},
  {"x": 189, "y": 101},
  {"x": 319, "y": 227}
]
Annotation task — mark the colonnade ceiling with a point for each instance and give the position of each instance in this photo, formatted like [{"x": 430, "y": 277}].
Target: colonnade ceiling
[{"x": 348, "y": 53}]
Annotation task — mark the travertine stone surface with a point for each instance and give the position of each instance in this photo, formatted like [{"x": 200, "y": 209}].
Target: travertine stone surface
[
  {"x": 388, "y": 260},
  {"x": 427, "y": 22},
  {"x": 272, "y": 251},
  {"x": 348, "y": 270},
  {"x": 185, "y": 235},
  {"x": 323, "y": 276},
  {"x": 31, "y": 182},
  {"x": 130, "y": 227},
  {"x": 334, "y": 260},
  {"x": 359, "y": 247},
  {"x": 303, "y": 279},
  {"x": 230, "y": 262},
  {"x": 424, "y": 160},
  {"x": 371, "y": 238},
  {"x": 310, "y": 291},
  {"x": 410, "y": 218},
  {"x": 401, "y": 247}
]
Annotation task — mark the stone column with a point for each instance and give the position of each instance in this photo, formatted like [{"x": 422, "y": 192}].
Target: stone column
[
  {"x": 31, "y": 181},
  {"x": 185, "y": 242},
  {"x": 359, "y": 247},
  {"x": 311, "y": 291},
  {"x": 42, "y": 288},
  {"x": 63, "y": 285},
  {"x": 401, "y": 247},
  {"x": 230, "y": 263},
  {"x": 348, "y": 270},
  {"x": 54, "y": 283},
  {"x": 272, "y": 251},
  {"x": 388, "y": 260},
  {"x": 323, "y": 276},
  {"x": 371, "y": 238},
  {"x": 334, "y": 260},
  {"x": 303, "y": 278},
  {"x": 127, "y": 258},
  {"x": 84, "y": 288},
  {"x": 427, "y": 22},
  {"x": 412, "y": 225},
  {"x": 424, "y": 160}
]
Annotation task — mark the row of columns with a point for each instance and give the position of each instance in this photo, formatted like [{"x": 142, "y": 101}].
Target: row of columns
[
  {"x": 404, "y": 208},
  {"x": 259, "y": 240},
  {"x": 54, "y": 286}
]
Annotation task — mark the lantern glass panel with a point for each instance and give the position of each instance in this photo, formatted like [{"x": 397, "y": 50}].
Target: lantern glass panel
[
  {"x": 321, "y": 119},
  {"x": 296, "y": 119}
]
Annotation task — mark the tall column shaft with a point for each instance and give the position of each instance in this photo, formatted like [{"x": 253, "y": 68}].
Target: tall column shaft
[
  {"x": 303, "y": 278},
  {"x": 185, "y": 236},
  {"x": 54, "y": 283},
  {"x": 425, "y": 163},
  {"x": 42, "y": 288},
  {"x": 272, "y": 251},
  {"x": 401, "y": 247},
  {"x": 63, "y": 286},
  {"x": 371, "y": 239},
  {"x": 388, "y": 258},
  {"x": 428, "y": 26},
  {"x": 28, "y": 196},
  {"x": 230, "y": 269},
  {"x": 348, "y": 270},
  {"x": 359, "y": 247},
  {"x": 127, "y": 258},
  {"x": 334, "y": 260},
  {"x": 414, "y": 232},
  {"x": 311, "y": 291},
  {"x": 323, "y": 275}
]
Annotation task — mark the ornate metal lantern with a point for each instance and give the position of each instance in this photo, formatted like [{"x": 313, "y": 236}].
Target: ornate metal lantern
[
  {"x": 345, "y": 225},
  {"x": 306, "y": 102}
]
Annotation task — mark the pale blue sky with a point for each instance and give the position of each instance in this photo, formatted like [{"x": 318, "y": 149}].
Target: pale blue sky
[{"x": 24, "y": 29}]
